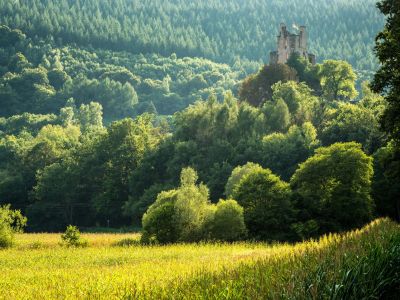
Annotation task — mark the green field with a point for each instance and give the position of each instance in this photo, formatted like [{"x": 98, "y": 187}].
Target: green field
[{"x": 359, "y": 263}]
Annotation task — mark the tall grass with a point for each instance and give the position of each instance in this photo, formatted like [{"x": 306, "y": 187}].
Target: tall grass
[{"x": 362, "y": 264}]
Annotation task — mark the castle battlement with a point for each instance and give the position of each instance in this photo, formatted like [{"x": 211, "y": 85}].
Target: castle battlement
[{"x": 289, "y": 43}]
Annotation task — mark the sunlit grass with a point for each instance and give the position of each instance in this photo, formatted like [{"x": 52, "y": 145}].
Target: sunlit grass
[
  {"x": 39, "y": 268},
  {"x": 51, "y": 240}
]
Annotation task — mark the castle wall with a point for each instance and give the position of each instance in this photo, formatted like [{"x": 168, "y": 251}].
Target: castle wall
[
  {"x": 303, "y": 38},
  {"x": 289, "y": 43},
  {"x": 273, "y": 57}
]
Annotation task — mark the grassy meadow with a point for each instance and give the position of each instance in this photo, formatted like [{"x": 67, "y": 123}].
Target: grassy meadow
[{"x": 361, "y": 263}]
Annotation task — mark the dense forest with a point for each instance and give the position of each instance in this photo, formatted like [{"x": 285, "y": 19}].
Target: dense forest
[
  {"x": 62, "y": 163},
  {"x": 105, "y": 126},
  {"x": 224, "y": 31},
  {"x": 150, "y": 150},
  {"x": 118, "y": 80}
]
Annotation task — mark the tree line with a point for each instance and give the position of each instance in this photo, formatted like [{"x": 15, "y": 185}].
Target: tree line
[
  {"x": 297, "y": 153},
  {"x": 40, "y": 77},
  {"x": 218, "y": 30},
  {"x": 310, "y": 151}
]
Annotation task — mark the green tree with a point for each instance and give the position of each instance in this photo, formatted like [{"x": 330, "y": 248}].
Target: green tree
[
  {"x": 306, "y": 71},
  {"x": 90, "y": 116},
  {"x": 136, "y": 206},
  {"x": 257, "y": 88},
  {"x": 9, "y": 37},
  {"x": 11, "y": 222},
  {"x": 123, "y": 76},
  {"x": 177, "y": 215},
  {"x": 333, "y": 187},
  {"x": 112, "y": 159},
  {"x": 57, "y": 199},
  {"x": 266, "y": 203},
  {"x": 283, "y": 152},
  {"x": 159, "y": 222},
  {"x": 302, "y": 104},
  {"x": 351, "y": 122},
  {"x": 387, "y": 78},
  {"x": 18, "y": 62},
  {"x": 72, "y": 237},
  {"x": 277, "y": 115},
  {"x": 385, "y": 183},
  {"x": 190, "y": 206},
  {"x": 228, "y": 221},
  {"x": 372, "y": 101},
  {"x": 337, "y": 80},
  {"x": 57, "y": 78},
  {"x": 387, "y": 82},
  {"x": 237, "y": 174},
  {"x": 185, "y": 214}
]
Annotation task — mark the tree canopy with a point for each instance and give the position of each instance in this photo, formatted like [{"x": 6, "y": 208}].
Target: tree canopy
[
  {"x": 387, "y": 82},
  {"x": 266, "y": 203},
  {"x": 103, "y": 121},
  {"x": 218, "y": 30},
  {"x": 332, "y": 188}
]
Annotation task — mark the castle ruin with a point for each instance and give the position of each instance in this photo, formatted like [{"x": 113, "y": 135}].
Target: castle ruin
[{"x": 289, "y": 43}]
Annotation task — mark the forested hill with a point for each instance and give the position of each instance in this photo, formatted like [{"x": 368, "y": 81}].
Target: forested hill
[{"x": 221, "y": 30}]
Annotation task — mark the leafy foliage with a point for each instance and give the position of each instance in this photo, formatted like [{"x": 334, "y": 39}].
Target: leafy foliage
[
  {"x": 66, "y": 157},
  {"x": 228, "y": 222},
  {"x": 237, "y": 174},
  {"x": 286, "y": 151},
  {"x": 337, "y": 80},
  {"x": 387, "y": 78},
  {"x": 332, "y": 188},
  {"x": 266, "y": 202},
  {"x": 11, "y": 222},
  {"x": 385, "y": 184},
  {"x": 185, "y": 214},
  {"x": 338, "y": 29},
  {"x": 349, "y": 122},
  {"x": 257, "y": 88},
  {"x": 387, "y": 82},
  {"x": 72, "y": 237},
  {"x": 41, "y": 77}
]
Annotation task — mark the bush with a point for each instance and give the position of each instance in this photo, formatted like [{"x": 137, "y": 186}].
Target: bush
[
  {"x": 11, "y": 221},
  {"x": 36, "y": 245},
  {"x": 159, "y": 221},
  {"x": 72, "y": 237},
  {"x": 177, "y": 215},
  {"x": 128, "y": 242},
  {"x": 6, "y": 236},
  {"x": 228, "y": 222},
  {"x": 186, "y": 215}
]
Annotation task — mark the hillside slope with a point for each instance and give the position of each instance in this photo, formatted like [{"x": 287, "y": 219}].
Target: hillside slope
[{"x": 217, "y": 29}]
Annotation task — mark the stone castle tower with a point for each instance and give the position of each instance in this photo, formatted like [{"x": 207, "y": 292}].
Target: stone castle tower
[{"x": 289, "y": 43}]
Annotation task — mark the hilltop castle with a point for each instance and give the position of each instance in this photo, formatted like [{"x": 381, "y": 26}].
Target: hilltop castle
[{"x": 289, "y": 43}]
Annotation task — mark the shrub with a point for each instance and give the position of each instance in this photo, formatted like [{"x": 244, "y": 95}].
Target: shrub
[
  {"x": 128, "y": 242},
  {"x": 177, "y": 215},
  {"x": 186, "y": 215},
  {"x": 6, "y": 236},
  {"x": 159, "y": 221},
  {"x": 11, "y": 221},
  {"x": 36, "y": 245},
  {"x": 228, "y": 222},
  {"x": 72, "y": 237}
]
